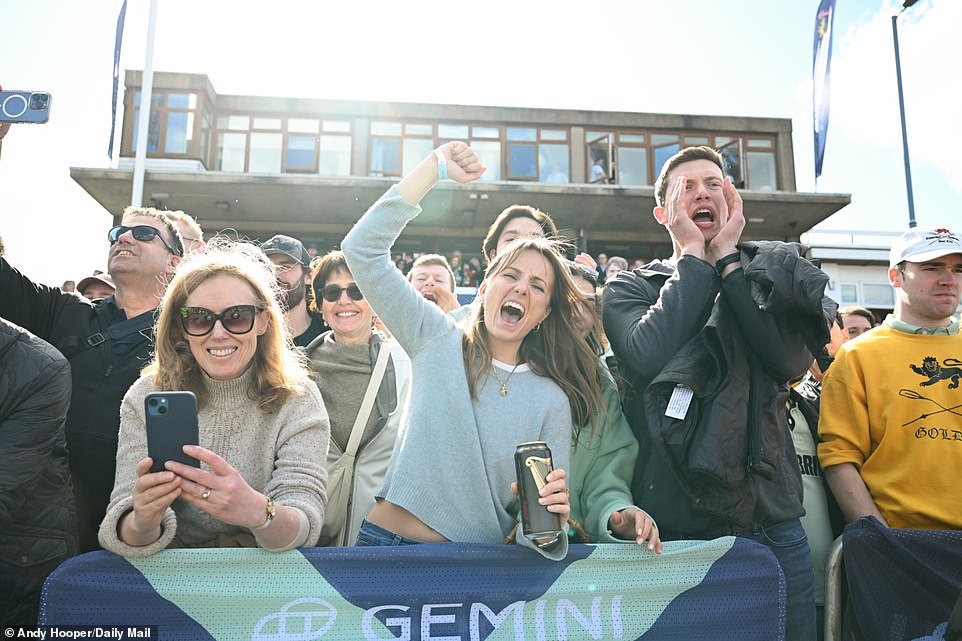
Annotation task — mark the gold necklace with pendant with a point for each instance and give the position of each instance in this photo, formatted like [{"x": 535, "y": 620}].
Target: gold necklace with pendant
[{"x": 504, "y": 383}]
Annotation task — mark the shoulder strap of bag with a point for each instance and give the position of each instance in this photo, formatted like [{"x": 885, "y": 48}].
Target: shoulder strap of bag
[{"x": 362, "y": 414}]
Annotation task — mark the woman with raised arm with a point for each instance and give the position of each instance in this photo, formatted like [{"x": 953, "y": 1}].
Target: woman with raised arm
[
  {"x": 262, "y": 425},
  {"x": 517, "y": 371}
]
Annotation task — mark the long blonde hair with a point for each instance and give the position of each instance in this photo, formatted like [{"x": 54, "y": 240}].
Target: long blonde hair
[
  {"x": 556, "y": 350},
  {"x": 278, "y": 369}
]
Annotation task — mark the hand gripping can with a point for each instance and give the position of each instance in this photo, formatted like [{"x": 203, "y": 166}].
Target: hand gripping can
[{"x": 532, "y": 463}]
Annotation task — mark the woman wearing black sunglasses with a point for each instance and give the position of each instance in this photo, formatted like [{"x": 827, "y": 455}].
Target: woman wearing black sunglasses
[
  {"x": 263, "y": 428},
  {"x": 363, "y": 400},
  {"x": 515, "y": 371}
]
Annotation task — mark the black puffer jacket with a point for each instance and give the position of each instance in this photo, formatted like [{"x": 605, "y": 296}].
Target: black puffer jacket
[
  {"x": 106, "y": 353},
  {"x": 37, "y": 516}
]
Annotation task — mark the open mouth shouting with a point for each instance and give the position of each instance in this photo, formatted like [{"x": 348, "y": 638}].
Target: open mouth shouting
[
  {"x": 704, "y": 217},
  {"x": 512, "y": 313}
]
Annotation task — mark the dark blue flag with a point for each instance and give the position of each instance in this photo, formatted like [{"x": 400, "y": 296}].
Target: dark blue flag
[
  {"x": 820, "y": 77},
  {"x": 113, "y": 107}
]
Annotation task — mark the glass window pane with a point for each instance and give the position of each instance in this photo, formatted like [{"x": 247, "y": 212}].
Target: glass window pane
[
  {"x": 554, "y": 134},
  {"x": 384, "y": 157},
  {"x": 303, "y": 125},
  {"x": 553, "y": 161},
  {"x": 877, "y": 295},
  {"x": 522, "y": 161},
  {"x": 758, "y": 143},
  {"x": 335, "y": 156},
  {"x": 522, "y": 133},
  {"x": 638, "y": 138},
  {"x": 662, "y": 154},
  {"x": 453, "y": 132},
  {"x": 182, "y": 100},
  {"x": 415, "y": 150},
  {"x": 485, "y": 132},
  {"x": 300, "y": 153},
  {"x": 849, "y": 294},
  {"x": 721, "y": 141},
  {"x": 489, "y": 152},
  {"x": 231, "y": 149},
  {"x": 337, "y": 126},
  {"x": 418, "y": 130},
  {"x": 761, "y": 170},
  {"x": 156, "y": 99},
  {"x": 265, "y": 157},
  {"x": 180, "y": 132},
  {"x": 663, "y": 139},
  {"x": 696, "y": 140},
  {"x": 267, "y": 123},
  {"x": 153, "y": 130},
  {"x": 632, "y": 166},
  {"x": 731, "y": 153},
  {"x": 385, "y": 128},
  {"x": 233, "y": 122}
]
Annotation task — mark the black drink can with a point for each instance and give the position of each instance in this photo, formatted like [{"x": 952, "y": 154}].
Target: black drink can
[{"x": 532, "y": 463}]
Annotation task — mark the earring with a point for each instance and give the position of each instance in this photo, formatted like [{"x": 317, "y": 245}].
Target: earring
[{"x": 537, "y": 327}]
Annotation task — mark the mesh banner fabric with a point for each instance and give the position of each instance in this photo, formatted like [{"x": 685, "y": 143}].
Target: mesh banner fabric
[
  {"x": 727, "y": 588},
  {"x": 902, "y": 583}
]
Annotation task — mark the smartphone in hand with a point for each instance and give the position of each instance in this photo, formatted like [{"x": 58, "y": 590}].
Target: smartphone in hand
[{"x": 171, "y": 424}]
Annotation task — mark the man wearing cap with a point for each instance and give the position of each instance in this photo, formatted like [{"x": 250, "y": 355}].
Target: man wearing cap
[
  {"x": 292, "y": 266},
  {"x": 891, "y": 424},
  {"x": 96, "y": 287}
]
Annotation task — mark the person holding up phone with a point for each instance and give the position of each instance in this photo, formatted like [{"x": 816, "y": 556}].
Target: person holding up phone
[
  {"x": 516, "y": 371},
  {"x": 263, "y": 428}
]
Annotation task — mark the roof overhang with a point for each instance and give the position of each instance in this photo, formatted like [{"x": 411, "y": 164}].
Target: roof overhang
[{"x": 259, "y": 205}]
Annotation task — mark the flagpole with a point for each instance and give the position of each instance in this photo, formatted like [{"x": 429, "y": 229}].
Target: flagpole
[
  {"x": 143, "y": 123},
  {"x": 905, "y": 137}
]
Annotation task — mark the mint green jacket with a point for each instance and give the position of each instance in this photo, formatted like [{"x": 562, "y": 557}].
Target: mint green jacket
[{"x": 602, "y": 464}]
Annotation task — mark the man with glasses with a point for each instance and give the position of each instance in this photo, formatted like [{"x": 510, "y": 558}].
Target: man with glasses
[
  {"x": 107, "y": 343},
  {"x": 292, "y": 267}
]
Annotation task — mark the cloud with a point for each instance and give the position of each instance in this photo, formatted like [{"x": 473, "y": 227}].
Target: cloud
[{"x": 864, "y": 90}]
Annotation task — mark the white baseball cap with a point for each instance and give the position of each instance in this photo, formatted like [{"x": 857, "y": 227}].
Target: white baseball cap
[{"x": 921, "y": 245}]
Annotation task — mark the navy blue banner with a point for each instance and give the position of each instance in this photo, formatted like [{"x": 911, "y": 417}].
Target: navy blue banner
[
  {"x": 728, "y": 588},
  {"x": 822, "y": 60},
  {"x": 118, "y": 40}
]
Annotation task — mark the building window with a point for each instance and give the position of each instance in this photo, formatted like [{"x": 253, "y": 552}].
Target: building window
[
  {"x": 334, "y": 157},
  {"x": 540, "y": 155},
  {"x": 265, "y": 154},
  {"x": 300, "y": 153},
  {"x": 170, "y": 128},
  {"x": 877, "y": 295},
  {"x": 848, "y": 292}
]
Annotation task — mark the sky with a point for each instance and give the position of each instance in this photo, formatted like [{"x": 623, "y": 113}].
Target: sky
[{"x": 703, "y": 57}]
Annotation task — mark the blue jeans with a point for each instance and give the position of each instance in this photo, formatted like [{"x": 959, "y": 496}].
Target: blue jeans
[
  {"x": 375, "y": 535},
  {"x": 790, "y": 545}
]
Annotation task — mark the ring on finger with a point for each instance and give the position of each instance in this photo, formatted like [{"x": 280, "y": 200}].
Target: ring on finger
[{"x": 206, "y": 494}]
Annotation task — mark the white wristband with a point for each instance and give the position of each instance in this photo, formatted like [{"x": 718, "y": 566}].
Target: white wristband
[{"x": 442, "y": 165}]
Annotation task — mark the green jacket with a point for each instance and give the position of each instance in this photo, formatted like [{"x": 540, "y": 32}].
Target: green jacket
[{"x": 602, "y": 464}]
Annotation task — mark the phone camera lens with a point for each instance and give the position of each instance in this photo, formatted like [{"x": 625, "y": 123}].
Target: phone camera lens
[
  {"x": 38, "y": 101},
  {"x": 162, "y": 410},
  {"x": 153, "y": 402}
]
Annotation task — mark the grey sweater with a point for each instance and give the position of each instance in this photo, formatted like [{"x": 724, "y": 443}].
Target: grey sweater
[
  {"x": 453, "y": 461},
  {"x": 281, "y": 455}
]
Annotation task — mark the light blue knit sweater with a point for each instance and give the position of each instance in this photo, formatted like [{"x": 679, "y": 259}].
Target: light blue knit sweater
[{"x": 453, "y": 461}]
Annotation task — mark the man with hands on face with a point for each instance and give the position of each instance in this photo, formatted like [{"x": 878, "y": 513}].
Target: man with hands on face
[
  {"x": 701, "y": 357},
  {"x": 433, "y": 277}
]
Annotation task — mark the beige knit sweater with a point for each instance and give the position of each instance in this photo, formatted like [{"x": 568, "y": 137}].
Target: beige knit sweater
[{"x": 281, "y": 455}]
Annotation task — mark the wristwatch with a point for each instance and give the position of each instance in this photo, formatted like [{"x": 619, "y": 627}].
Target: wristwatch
[{"x": 270, "y": 515}]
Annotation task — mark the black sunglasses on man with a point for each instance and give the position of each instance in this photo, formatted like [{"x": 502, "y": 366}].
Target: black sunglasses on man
[{"x": 143, "y": 233}]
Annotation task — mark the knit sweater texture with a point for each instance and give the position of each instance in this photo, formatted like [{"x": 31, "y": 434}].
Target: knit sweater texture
[
  {"x": 453, "y": 462},
  {"x": 280, "y": 454}
]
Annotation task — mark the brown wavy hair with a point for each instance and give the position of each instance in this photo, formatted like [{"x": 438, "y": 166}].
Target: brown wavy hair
[
  {"x": 556, "y": 350},
  {"x": 279, "y": 370}
]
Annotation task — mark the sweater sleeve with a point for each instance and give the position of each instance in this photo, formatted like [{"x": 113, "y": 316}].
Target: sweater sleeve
[
  {"x": 131, "y": 448},
  {"x": 843, "y": 421},
  {"x": 299, "y": 479},
  {"x": 412, "y": 319},
  {"x": 609, "y": 463}
]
